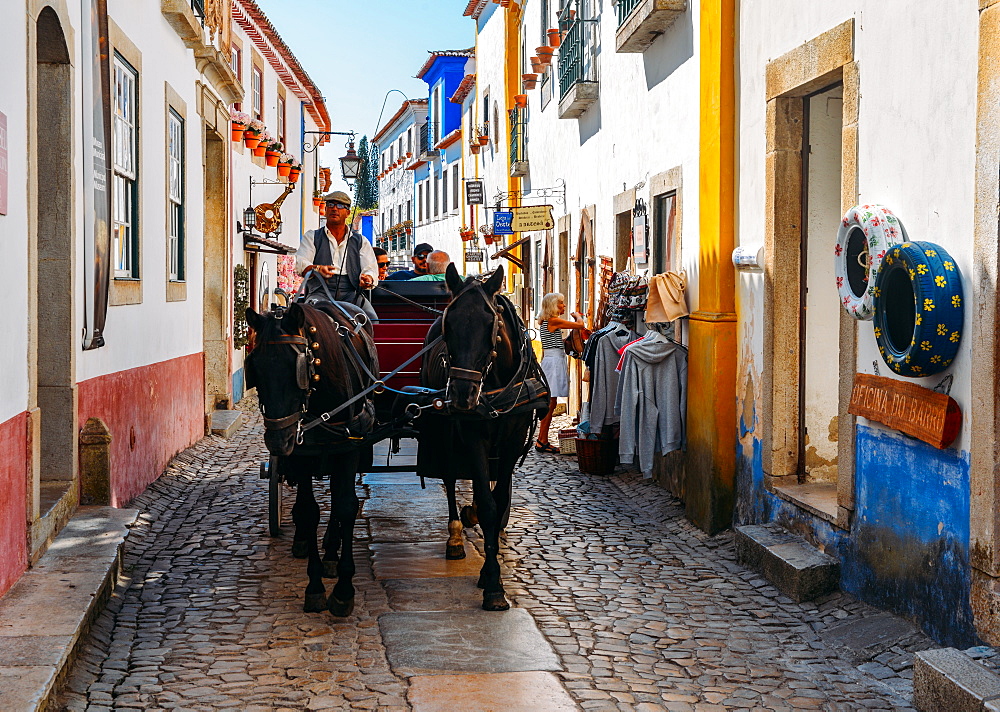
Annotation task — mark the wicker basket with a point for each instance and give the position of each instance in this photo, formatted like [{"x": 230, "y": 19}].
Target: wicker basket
[
  {"x": 596, "y": 457},
  {"x": 567, "y": 441}
]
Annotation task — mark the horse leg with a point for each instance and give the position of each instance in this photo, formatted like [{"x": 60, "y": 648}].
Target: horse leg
[
  {"x": 345, "y": 512},
  {"x": 331, "y": 546},
  {"x": 456, "y": 542},
  {"x": 489, "y": 522},
  {"x": 305, "y": 514}
]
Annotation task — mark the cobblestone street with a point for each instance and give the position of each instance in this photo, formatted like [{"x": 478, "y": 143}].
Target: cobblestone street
[{"x": 631, "y": 608}]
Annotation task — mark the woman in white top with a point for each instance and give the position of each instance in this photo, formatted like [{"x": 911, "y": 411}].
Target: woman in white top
[{"x": 550, "y": 324}]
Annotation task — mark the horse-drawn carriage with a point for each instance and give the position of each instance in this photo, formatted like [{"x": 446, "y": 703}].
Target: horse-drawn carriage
[{"x": 449, "y": 363}]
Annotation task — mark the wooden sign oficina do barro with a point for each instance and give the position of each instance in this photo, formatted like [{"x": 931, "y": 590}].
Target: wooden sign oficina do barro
[{"x": 927, "y": 415}]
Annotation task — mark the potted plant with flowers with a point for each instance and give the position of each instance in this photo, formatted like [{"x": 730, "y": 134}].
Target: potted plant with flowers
[
  {"x": 294, "y": 170},
  {"x": 284, "y": 164},
  {"x": 317, "y": 198},
  {"x": 262, "y": 146},
  {"x": 273, "y": 154},
  {"x": 251, "y": 137},
  {"x": 238, "y": 124}
]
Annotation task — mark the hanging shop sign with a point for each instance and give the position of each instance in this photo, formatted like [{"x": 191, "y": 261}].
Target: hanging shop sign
[
  {"x": 96, "y": 126},
  {"x": 502, "y": 222},
  {"x": 473, "y": 192},
  {"x": 920, "y": 412},
  {"x": 528, "y": 218},
  {"x": 474, "y": 255},
  {"x": 640, "y": 251},
  {"x": 3, "y": 164}
]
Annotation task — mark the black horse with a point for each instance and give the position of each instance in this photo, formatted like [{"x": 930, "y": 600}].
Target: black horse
[
  {"x": 309, "y": 361},
  {"x": 495, "y": 389}
]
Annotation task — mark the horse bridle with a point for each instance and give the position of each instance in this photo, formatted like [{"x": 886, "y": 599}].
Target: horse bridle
[
  {"x": 305, "y": 373},
  {"x": 466, "y": 374}
]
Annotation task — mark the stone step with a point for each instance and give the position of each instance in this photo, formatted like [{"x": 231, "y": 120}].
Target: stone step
[
  {"x": 948, "y": 679},
  {"x": 797, "y": 569},
  {"x": 225, "y": 423}
]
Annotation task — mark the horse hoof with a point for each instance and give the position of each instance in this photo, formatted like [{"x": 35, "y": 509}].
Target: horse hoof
[
  {"x": 455, "y": 552},
  {"x": 300, "y": 549},
  {"x": 340, "y": 609},
  {"x": 468, "y": 516},
  {"x": 329, "y": 568},
  {"x": 315, "y": 602},
  {"x": 495, "y": 601}
]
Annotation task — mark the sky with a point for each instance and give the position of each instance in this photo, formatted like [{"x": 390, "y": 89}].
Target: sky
[{"x": 356, "y": 52}]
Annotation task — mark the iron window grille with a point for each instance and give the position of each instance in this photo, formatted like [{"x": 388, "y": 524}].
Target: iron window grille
[{"x": 518, "y": 135}]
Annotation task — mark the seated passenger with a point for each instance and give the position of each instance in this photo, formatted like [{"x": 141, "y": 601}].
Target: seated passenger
[
  {"x": 437, "y": 264},
  {"x": 419, "y": 260}
]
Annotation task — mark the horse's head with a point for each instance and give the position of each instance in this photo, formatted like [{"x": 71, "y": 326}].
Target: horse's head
[
  {"x": 471, "y": 326},
  {"x": 280, "y": 367}
]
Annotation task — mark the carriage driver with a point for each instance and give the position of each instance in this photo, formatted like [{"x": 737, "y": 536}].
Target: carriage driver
[{"x": 340, "y": 255}]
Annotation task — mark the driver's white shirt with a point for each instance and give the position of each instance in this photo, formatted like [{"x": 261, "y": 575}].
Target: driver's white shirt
[{"x": 306, "y": 254}]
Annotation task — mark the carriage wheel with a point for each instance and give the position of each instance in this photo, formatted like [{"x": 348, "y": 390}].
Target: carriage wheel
[{"x": 274, "y": 498}]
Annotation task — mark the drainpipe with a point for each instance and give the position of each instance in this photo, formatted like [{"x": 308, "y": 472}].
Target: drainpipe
[{"x": 711, "y": 421}]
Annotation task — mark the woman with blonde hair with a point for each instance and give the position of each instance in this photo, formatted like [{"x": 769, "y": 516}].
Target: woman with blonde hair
[{"x": 550, "y": 324}]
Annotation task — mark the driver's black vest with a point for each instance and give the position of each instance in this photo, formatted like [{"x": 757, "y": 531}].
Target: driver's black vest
[{"x": 351, "y": 266}]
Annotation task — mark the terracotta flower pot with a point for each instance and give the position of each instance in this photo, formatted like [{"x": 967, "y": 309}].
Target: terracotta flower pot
[
  {"x": 555, "y": 36},
  {"x": 484, "y": 140},
  {"x": 474, "y": 148},
  {"x": 544, "y": 53},
  {"x": 529, "y": 77},
  {"x": 293, "y": 175},
  {"x": 237, "y": 131},
  {"x": 317, "y": 202},
  {"x": 467, "y": 236},
  {"x": 272, "y": 158},
  {"x": 260, "y": 151},
  {"x": 284, "y": 169},
  {"x": 251, "y": 140},
  {"x": 530, "y": 84},
  {"x": 521, "y": 101},
  {"x": 488, "y": 239}
]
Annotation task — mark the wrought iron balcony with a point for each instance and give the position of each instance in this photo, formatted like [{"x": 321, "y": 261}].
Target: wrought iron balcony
[
  {"x": 640, "y": 22},
  {"x": 624, "y": 9},
  {"x": 427, "y": 140},
  {"x": 578, "y": 87}
]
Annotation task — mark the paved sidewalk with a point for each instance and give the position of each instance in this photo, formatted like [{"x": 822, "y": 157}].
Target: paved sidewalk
[{"x": 619, "y": 604}]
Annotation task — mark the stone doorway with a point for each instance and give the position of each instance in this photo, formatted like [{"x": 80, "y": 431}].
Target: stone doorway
[{"x": 53, "y": 347}]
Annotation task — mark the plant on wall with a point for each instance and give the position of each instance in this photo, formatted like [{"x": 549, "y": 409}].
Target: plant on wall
[
  {"x": 241, "y": 301},
  {"x": 366, "y": 193}
]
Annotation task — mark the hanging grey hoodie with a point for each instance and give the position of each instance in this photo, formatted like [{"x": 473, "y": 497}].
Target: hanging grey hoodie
[{"x": 652, "y": 401}]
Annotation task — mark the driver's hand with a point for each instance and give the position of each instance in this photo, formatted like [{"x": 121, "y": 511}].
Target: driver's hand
[
  {"x": 366, "y": 281},
  {"x": 325, "y": 271}
]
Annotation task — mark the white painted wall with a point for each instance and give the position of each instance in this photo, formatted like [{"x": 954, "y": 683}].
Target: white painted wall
[
  {"x": 916, "y": 137},
  {"x": 155, "y": 330},
  {"x": 645, "y": 123},
  {"x": 397, "y": 186},
  {"x": 14, "y": 225}
]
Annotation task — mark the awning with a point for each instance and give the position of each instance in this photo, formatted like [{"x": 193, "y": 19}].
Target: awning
[{"x": 259, "y": 243}]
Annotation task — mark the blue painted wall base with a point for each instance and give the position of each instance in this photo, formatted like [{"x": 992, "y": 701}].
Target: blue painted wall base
[{"x": 908, "y": 547}]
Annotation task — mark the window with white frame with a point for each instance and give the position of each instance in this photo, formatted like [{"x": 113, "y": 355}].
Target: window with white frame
[
  {"x": 236, "y": 61},
  {"x": 125, "y": 184},
  {"x": 257, "y": 92},
  {"x": 409, "y": 209},
  {"x": 175, "y": 201},
  {"x": 444, "y": 190},
  {"x": 281, "y": 122}
]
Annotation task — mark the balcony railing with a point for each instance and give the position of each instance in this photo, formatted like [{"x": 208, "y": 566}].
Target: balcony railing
[
  {"x": 518, "y": 135},
  {"x": 576, "y": 53},
  {"x": 428, "y": 139},
  {"x": 625, "y": 8}
]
